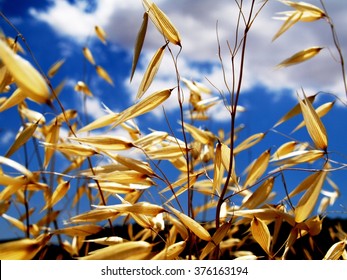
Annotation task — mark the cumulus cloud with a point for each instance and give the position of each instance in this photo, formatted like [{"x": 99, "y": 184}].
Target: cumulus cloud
[{"x": 196, "y": 21}]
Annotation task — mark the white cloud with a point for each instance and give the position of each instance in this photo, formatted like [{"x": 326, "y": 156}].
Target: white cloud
[
  {"x": 196, "y": 21},
  {"x": 6, "y": 137}
]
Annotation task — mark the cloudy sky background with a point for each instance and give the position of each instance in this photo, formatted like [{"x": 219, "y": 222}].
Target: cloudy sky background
[{"x": 57, "y": 29}]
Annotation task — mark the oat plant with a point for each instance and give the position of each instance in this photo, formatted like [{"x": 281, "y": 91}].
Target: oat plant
[{"x": 211, "y": 209}]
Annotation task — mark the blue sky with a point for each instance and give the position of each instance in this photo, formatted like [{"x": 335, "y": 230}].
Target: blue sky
[{"x": 59, "y": 29}]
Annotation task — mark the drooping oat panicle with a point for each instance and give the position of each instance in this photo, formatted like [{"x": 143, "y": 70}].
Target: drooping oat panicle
[
  {"x": 55, "y": 68},
  {"x": 162, "y": 22},
  {"x": 150, "y": 72},
  {"x": 314, "y": 125},
  {"x": 300, "y": 57},
  {"x": 139, "y": 43},
  {"x": 261, "y": 234},
  {"x": 100, "y": 32},
  {"x": 304, "y": 184},
  {"x": 52, "y": 137},
  {"x": 25, "y": 75}
]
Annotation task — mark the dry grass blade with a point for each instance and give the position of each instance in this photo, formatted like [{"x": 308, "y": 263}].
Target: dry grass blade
[
  {"x": 88, "y": 55},
  {"x": 22, "y": 138},
  {"x": 194, "y": 226},
  {"x": 151, "y": 71},
  {"x": 335, "y": 251},
  {"x": 308, "y": 201},
  {"x": 321, "y": 112},
  {"x": 171, "y": 252},
  {"x": 132, "y": 250},
  {"x": 162, "y": 22},
  {"x": 300, "y": 57},
  {"x": 294, "y": 111},
  {"x": 139, "y": 43},
  {"x": 260, "y": 195},
  {"x": 314, "y": 125},
  {"x": 55, "y": 68},
  {"x": 103, "y": 74},
  {"x": 217, "y": 238},
  {"x": 100, "y": 32},
  {"x": 57, "y": 195},
  {"x": 261, "y": 234},
  {"x": 144, "y": 106},
  {"x": 258, "y": 168},
  {"x": 249, "y": 142},
  {"x": 24, "y": 249},
  {"x": 25, "y": 75}
]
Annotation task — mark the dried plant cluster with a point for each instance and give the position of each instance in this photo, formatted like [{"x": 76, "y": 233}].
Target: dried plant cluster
[{"x": 205, "y": 163}]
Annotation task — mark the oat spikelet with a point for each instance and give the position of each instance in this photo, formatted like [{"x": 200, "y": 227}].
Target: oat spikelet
[
  {"x": 162, "y": 22},
  {"x": 100, "y": 32},
  {"x": 314, "y": 125},
  {"x": 151, "y": 71},
  {"x": 25, "y": 75},
  {"x": 300, "y": 57}
]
